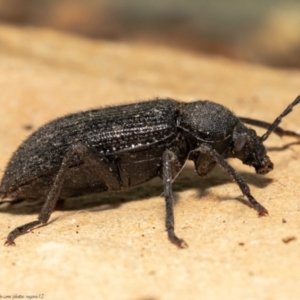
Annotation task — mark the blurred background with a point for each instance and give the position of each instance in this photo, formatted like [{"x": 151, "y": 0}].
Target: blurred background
[{"x": 265, "y": 32}]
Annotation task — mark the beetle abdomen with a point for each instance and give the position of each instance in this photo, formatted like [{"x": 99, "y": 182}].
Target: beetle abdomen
[{"x": 108, "y": 130}]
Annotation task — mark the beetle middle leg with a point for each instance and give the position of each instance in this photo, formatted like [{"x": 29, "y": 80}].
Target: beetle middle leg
[
  {"x": 169, "y": 163},
  {"x": 204, "y": 148},
  {"x": 98, "y": 165}
]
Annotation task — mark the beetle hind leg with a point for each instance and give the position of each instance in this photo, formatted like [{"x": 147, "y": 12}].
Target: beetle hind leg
[{"x": 96, "y": 164}]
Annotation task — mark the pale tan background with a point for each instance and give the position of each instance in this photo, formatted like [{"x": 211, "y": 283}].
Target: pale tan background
[
  {"x": 104, "y": 252},
  {"x": 258, "y": 31}
]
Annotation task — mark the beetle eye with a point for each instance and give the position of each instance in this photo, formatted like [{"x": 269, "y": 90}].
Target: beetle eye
[{"x": 239, "y": 143}]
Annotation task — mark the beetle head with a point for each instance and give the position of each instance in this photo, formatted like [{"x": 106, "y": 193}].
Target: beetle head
[{"x": 249, "y": 148}]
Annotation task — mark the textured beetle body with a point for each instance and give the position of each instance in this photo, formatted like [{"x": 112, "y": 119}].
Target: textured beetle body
[
  {"x": 118, "y": 147},
  {"x": 131, "y": 137}
]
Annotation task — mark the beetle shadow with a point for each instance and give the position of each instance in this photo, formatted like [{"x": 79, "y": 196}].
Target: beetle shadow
[{"x": 187, "y": 180}]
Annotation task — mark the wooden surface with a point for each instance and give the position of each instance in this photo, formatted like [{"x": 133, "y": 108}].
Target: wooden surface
[{"x": 99, "y": 251}]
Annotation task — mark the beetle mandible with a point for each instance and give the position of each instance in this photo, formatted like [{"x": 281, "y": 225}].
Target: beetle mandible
[{"x": 114, "y": 148}]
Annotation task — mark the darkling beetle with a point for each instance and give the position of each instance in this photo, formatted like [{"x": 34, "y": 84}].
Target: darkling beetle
[{"x": 114, "y": 148}]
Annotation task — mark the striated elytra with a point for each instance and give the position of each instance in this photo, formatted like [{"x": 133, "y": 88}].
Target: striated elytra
[{"x": 114, "y": 148}]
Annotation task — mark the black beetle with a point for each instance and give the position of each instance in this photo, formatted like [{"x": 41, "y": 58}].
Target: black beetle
[{"x": 117, "y": 147}]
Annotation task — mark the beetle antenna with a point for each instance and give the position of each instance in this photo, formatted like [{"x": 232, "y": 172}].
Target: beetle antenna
[{"x": 279, "y": 118}]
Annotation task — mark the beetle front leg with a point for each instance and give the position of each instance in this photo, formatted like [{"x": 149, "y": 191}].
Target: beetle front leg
[
  {"x": 96, "y": 164},
  {"x": 204, "y": 148},
  {"x": 169, "y": 160}
]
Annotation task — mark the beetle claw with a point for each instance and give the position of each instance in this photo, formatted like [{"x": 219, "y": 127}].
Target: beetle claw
[
  {"x": 182, "y": 244},
  {"x": 9, "y": 243},
  {"x": 263, "y": 213}
]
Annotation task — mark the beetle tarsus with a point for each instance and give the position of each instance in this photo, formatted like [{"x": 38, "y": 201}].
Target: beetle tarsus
[
  {"x": 10, "y": 240},
  {"x": 257, "y": 206},
  {"x": 180, "y": 243}
]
